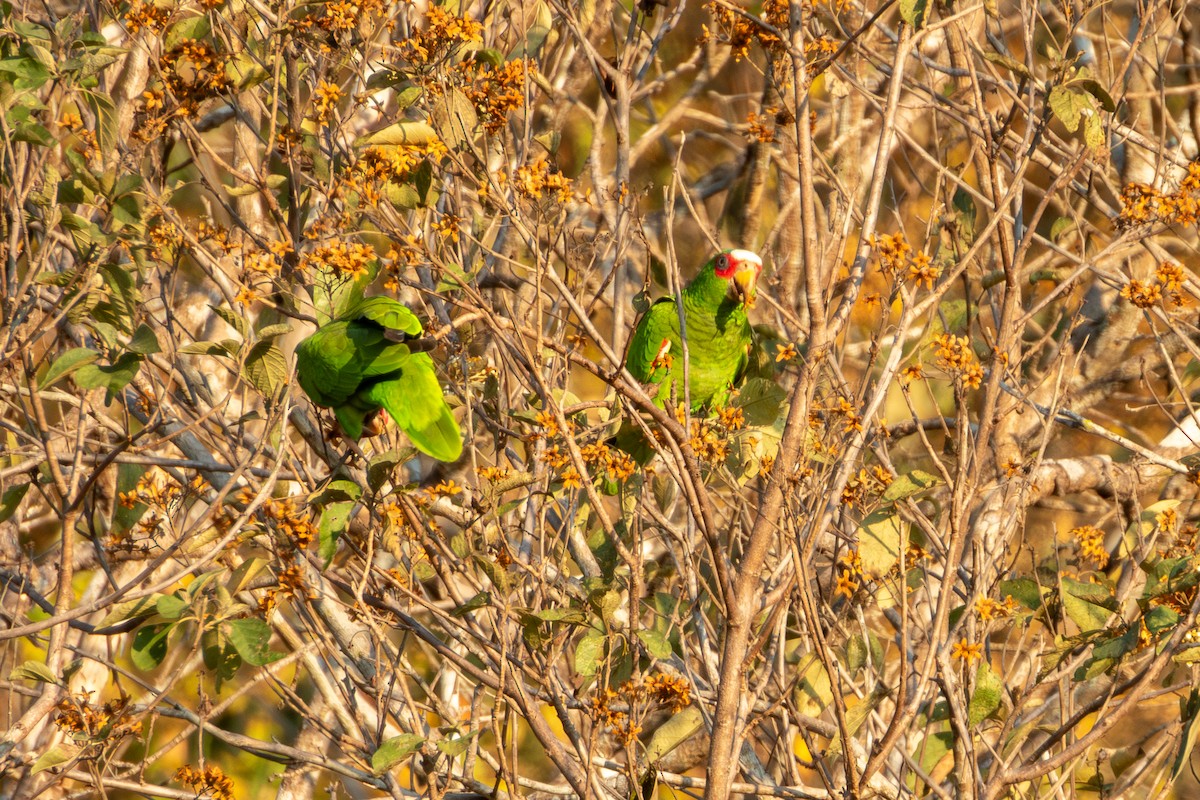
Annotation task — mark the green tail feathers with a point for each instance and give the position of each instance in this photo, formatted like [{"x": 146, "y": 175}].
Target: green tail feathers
[
  {"x": 358, "y": 365},
  {"x": 414, "y": 400}
]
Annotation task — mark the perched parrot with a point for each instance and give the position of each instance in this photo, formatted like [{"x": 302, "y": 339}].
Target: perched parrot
[
  {"x": 359, "y": 364},
  {"x": 718, "y": 333}
]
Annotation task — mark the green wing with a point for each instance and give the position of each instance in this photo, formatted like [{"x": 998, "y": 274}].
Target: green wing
[
  {"x": 327, "y": 365},
  {"x": 414, "y": 398},
  {"x": 659, "y": 323},
  {"x": 351, "y": 366},
  {"x": 387, "y": 313}
]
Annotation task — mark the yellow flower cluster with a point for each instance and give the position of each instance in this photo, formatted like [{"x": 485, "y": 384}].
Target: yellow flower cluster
[
  {"x": 1091, "y": 544},
  {"x": 325, "y": 100},
  {"x": 671, "y": 692},
  {"x": 146, "y": 17},
  {"x": 212, "y": 781},
  {"x": 762, "y": 126},
  {"x": 738, "y": 31},
  {"x": 193, "y": 71},
  {"x": 534, "y": 180},
  {"x": 295, "y": 525},
  {"x": 381, "y": 165},
  {"x": 349, "y": 259},
  {"x": 955, "y": 356},
  {"x": 346, "y": 15},
  {"x": 988, "y": 609},
  {"x": 495, "y": 91},
  {"x": 966, "y": 650},
  {"x": 850, "y": 573},
  {"x": 78, "y": 716},
  {"x": 155, "y": 489},
  {"x": 615, "y": 463},
  {"x": 866, "y": 486},
  {"x": 1142, "y": 204},
  {"x": 896, "y": 257},
  {"x": 443, "y": 35},
  {"x": 1168, "y": 280}
]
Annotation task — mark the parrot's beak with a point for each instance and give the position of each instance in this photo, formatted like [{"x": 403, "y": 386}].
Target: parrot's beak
[{"x": 745, "y": 279}]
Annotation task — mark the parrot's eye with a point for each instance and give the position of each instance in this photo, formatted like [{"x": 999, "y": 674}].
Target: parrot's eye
[{"x": 722, "y": 262}]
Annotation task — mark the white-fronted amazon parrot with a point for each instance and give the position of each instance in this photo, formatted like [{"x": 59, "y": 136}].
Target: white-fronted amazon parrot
[
  {"x": 718, "y": 332},
  {"x": 359, "y": 364}
]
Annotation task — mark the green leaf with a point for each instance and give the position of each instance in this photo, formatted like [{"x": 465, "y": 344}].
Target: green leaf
[
  {"x": 67, "y": 363},
  {"x": 678, "y": 729},
  {"x": 131, "y": 609},
  {"x": 33, "y": 671},
  {"x": 760, "y": 400},
  {"x": 266, "y": 367},
  {"x": 1093, "y": 132},
  {"x": 1069, "y": 105},
  {"x": 1170, "y": 575},
  {"x": 56, "y": 756},
  {"x": 453, "y": 748},
  {"x": 106, "y": 120},
  {"x": 407, "y": 96},
  {"x": 220, "y": 656},
  {"x": 589, "y": 652},
  {"x": 814, "y": 691},
  {"x": 337, "y": 490},
  {"x": 657, "y": 644},
  {"x": 453, "y": 117},
  {"x": 235, "y": 320},
  {"x": 1189, "y": 715},
  {"x": 395, "y": 750},
  {"x": 933, "y": 749},
  {"x": 1114, "y": 648},
  {"x": 190, "y": 28},
  {"x": 985, "y": 700},
  {"x": 149, "y": 646},
  {"x": 1093, "y": 87},
  {"x": 860, "y": 652},
  {"x": 334, "y": 518},
  {"x": 881, "y": 536},
  {"x": 1160, "y": 618},
  {"x": 272, "y": 331},
  {"x": 226, "y": 348},
  {"x": 112, "y": 378},
  {"x": 144, "y": 342},
  {"x": 171, "y": 606},
  {"x": 380, "y": 467},
  {"x": 1024, "y": 591},
  {"x": 914, "y": 12},
  {"x": 250, "y": 637},
  {"x": 480, "y": 600},
  {"x": 401, "y": 133},
  {"x": 10, "y": 501},
  {"x": 245, "y": 572},
  {"x": 1061, "y": 226},
  {"x": 1087, "y": 615},
  {"x": 497, "y": 574},
  {"x": 912, "y": 483}
]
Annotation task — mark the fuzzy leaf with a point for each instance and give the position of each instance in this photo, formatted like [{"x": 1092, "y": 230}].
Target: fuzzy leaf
[
  {"x": 395, "y": 750},
  {"x": 985, "y": 700}
]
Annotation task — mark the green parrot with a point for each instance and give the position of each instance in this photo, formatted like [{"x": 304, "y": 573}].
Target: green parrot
[
  {"x": 718, "y": 333},
  {"x": 359, "y": 364}
]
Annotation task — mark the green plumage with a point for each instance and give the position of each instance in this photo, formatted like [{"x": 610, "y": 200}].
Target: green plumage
[
  {"x": 352, "y": 366},
  {"x": 718, "y": 334}
]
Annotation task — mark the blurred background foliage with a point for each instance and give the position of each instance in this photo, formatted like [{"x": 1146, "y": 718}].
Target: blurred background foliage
[{"x": 942, "y": 543}]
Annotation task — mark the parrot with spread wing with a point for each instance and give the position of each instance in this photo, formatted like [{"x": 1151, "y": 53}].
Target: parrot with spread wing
[
  {"x": 718, "y": 332},
  {"x": 366, "y": 361}
]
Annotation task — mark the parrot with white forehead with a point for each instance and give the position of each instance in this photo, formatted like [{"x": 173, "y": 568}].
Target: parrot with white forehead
[{"x": 717, "y": 328}]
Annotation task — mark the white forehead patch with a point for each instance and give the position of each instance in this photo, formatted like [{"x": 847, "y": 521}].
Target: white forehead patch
[{"x": 745, "y": 255}]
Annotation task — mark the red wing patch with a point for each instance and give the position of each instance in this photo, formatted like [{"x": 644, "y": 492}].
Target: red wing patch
[{"x": 663, "y": 357}]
